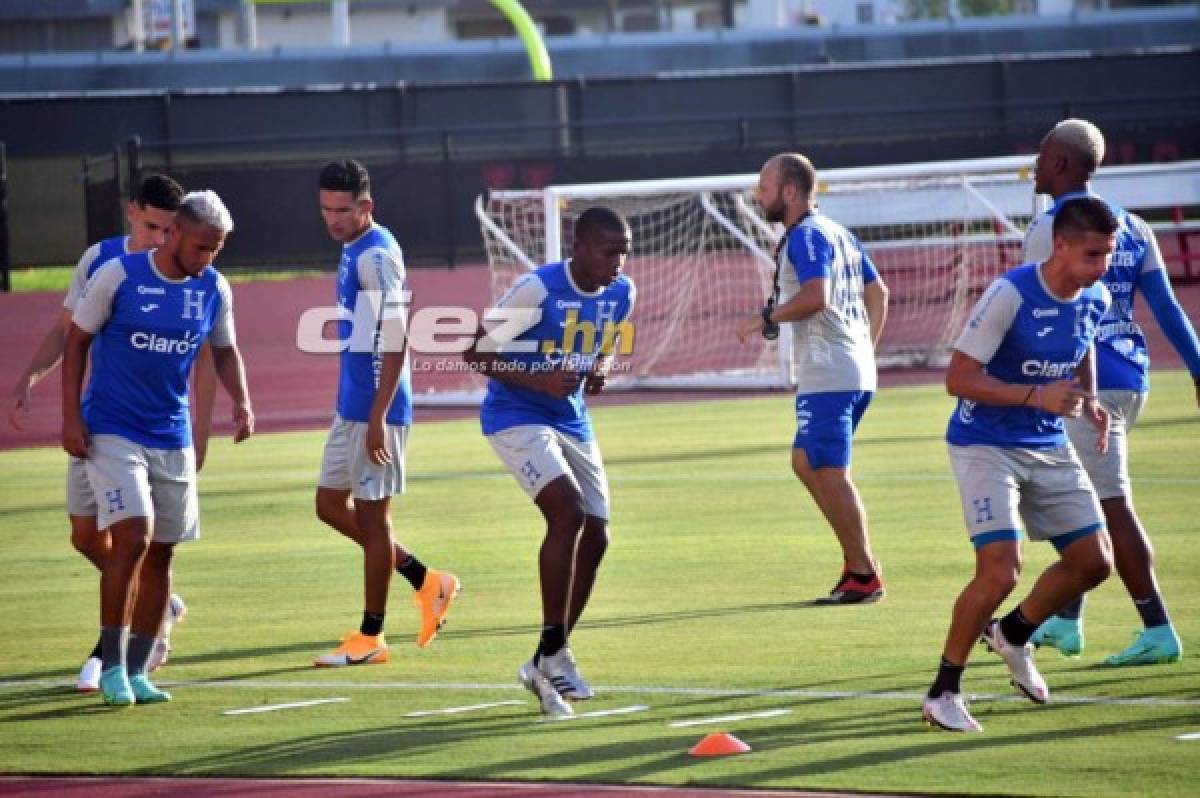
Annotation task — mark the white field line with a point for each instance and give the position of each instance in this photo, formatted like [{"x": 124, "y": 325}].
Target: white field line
[
  {"x": 421, "y": 713},
  {"x": 769, "y": 713},
  {"x": 276, "y": 707},
  {"x": 1188, "y": 736},
  {"x": 715, "y": 692},
  {"x": 597, "y": 713}
]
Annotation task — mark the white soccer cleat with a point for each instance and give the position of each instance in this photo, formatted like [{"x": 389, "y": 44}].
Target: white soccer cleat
[
  {"x": 949, "y": 712},
  {"x": 89, "y": 675},
  {"x": 174, "y": 613},
  {"x": 1019, "y": 659},
  {"x": 552, "y": 704},
  {"x": 158, "y": 654},
  {"x": 563, "y": 674}
]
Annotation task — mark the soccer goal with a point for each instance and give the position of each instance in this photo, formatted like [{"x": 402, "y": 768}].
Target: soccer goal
[{"x": 703, "y": 255}]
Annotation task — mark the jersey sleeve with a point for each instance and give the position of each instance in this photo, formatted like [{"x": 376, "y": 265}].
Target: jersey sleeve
[
  {"x": 630, "y": 301},
  {"x": 1039, "y": 239},
  {"x": 869, "y": 273},
  {"x": 223, "y": 334},
  {"x": 382, "y": 270},
  {"x": 990, "y": 321},
  {"x": 1154, "y": 259},
  {"x": 79, "y": 277},
  {"x": 810, "y": 253},
  {"x": 524, "y": 298},
  {"x": 1171, "y": 319},
  {"x": 94, "y": 307}
]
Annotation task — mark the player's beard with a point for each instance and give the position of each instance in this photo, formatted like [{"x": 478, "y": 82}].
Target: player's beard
[{"x": 775, "y": 212}]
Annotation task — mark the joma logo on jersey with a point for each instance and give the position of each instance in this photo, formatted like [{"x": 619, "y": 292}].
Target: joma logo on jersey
[
  {"x": 584, "y": 333},
  {"x": 167, "y": 346},
  {"x": 1046, "y": 368}
]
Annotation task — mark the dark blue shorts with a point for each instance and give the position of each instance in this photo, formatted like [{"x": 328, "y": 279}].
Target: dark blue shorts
[{"x": 825, "y": 424}]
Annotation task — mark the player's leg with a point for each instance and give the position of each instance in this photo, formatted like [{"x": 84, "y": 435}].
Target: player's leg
[
  {"x": 534, "y": 456},
  {"x": 118, "y": 472},
  {"x": 821, "y": 459},
  {"x": 93, "y": 544},
  {"x": 1058, "y": 504},
  {"x": 587, "y": 466},
  {"x": 990, "y": 494}
]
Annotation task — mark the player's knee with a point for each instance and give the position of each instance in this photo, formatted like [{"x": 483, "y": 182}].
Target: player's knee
[
  {"x": 566, "y": 519},
  {"x": 1098, "y": 568},
  {"x": 328, "y": 509}
]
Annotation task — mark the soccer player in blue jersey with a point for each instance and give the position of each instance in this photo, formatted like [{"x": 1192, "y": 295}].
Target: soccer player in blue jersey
[
  {"x": 149, "y": 215},
  {"x": 144, "y": 316},
  {"x": 1068, "y": 157},
  {"x": 836, "y": 304},
  {"x": 363, "y": 463},
  {"x": 1024, "y": 362},
  {"x": 548, "y": 341}
]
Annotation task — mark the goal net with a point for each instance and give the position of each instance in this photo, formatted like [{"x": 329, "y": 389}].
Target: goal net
[{"x": 702, "y": 257}]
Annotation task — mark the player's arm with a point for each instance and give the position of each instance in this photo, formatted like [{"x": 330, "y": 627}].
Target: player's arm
[
  {"x": 811, "y": 255},
  {"x": 92, "y": 311},
  {"x": 595, "y": 380},
  {"x": 1093, "y": 411},
  {"x": 44, "y": 359},
  {"x": 1155, "y": 285},
  {"x": 516, "y": 312},
  {"x": 227, "y": 362},
  {"x": 386, "y": 275},
  {"x": 875, "y": 299},
  {"x": 204, "y": 394},
  {"x": 50, "y": 350}
]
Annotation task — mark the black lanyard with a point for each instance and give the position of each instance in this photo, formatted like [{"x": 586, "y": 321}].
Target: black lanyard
[{"x": 773, "y": 300}]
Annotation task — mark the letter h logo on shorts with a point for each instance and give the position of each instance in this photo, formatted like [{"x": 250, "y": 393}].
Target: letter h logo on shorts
[
  {"x": 983, "y": 510},
  {"x": 115, "y": 502},
  {"x": 530, "y": 472}
]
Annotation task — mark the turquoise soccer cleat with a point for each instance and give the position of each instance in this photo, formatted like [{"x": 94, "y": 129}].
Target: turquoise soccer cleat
[
  {"x": 114, "y": 687},
  {"x": 1065, "y": 634},
  {"x": 1157, "y": 645},
  {"x": 146, "y": 693}
]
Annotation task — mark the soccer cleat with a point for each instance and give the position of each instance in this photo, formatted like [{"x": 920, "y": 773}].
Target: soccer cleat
[
  {"x": 1065, "y": 634},
  {"x": 434, "y": 598},
  {"x": 1019, "y": 659},
  {"x": 357, "y": 649},
  {"x": 1156, "y": 645},
  {"x": 89, "y": 675},
  {"x": 849, "y": 590},
  {"x": 949, "y": 712},
  {"x": 158, "y": 654},
  {"x": 146, "y": 693},
  {"x": 114, "y": 687},
  {"x": 562, "y": 673},
  {"x": 552, "y": 704}
]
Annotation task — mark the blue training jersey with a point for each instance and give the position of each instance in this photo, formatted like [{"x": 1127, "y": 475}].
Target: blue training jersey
[
  {"x": 1022, "y": 334},
  {"x": 373, "y": 262},
  {"x": 1122, "y": 361},
  {"x": 568, "y": 327},
  {"x": 147, "y": 331}
]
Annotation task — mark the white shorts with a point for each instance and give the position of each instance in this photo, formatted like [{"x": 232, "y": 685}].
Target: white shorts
[
  {"x": 536, "y": 455},
  {"x": 346, "y": 466},
  {"x": 130, "y": 481},
  {"x": 80, "y": 499},
  {"x": 1047, "y": 489},
  {"x": 1109, "y": 472}
]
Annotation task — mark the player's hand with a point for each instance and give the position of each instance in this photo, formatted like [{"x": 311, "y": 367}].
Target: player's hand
[
  {"x": 1062, "y": 398},
  {"x": 74, "y": 438},
  {"x": 243, "y": 422},
  {"x": 559, "y": 383},
  {"x": 376, "y": 443},
  {"x": 201, "y": 449},
  {"x": 594, "y": 382},
  {"x": 749, "y": 327},
  {"x": 21, "y": 400},
  {"x": 1094, "y": 412}
]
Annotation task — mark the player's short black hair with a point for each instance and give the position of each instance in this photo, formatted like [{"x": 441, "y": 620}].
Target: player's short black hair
[
  {"x": 346, "y": 175},
  {"x": 1085, "y": 215},
  {"x": 797, "y": 170},
  {"x": 159, "y": 191},
  {"x": 599, "y": 219}
]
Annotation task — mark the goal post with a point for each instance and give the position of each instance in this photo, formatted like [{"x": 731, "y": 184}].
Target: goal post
[{"x": 702, "y": 253}]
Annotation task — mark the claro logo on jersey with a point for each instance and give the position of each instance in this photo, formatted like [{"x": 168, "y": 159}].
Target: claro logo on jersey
[
  {"x": 1047, "y": 368},
  {"x": 152, "y": 342}
]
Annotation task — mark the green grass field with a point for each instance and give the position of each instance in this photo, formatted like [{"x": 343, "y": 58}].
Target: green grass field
[
  {"x": 701, "y": 610},
  {"x": 58, "y": 278}
]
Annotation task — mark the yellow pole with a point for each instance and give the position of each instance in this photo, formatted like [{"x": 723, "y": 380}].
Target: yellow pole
[{"x": 531, "y": 37}]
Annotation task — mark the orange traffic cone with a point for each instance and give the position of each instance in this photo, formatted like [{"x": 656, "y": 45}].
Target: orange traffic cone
[{"x": 719, "y": 744}]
